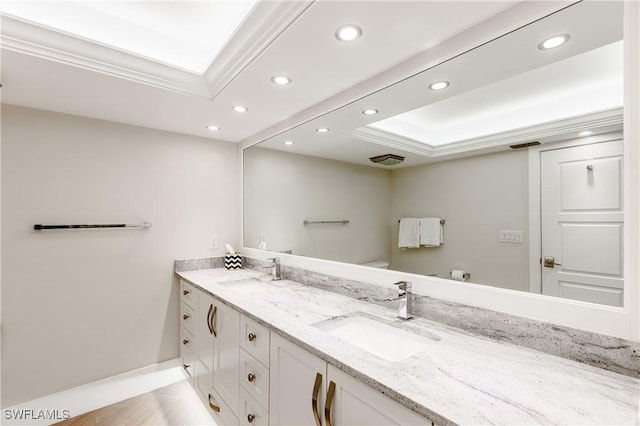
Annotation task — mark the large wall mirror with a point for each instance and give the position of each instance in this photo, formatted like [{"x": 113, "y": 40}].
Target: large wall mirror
[{"x": 519, "y": 155}]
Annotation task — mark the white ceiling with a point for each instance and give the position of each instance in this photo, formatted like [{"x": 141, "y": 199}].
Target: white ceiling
[
  {"x": 187, "y": 35},
  {"x": 579, "y": 85},
  {"x": 54, "y": 70},
  {"x": 502, "y": 93}
]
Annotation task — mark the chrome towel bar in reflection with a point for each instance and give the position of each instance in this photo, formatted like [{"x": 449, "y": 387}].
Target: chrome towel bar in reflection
[
  {"x": 325, "y": 222},
  {"x": 144, "y": 225},
  {"x": 442, "y": 221}
]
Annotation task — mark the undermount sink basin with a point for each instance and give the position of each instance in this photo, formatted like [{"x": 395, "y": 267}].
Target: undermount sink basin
[{"x": 385, "y": 341}]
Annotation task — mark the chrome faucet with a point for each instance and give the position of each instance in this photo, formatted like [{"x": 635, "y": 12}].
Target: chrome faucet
[
  {"x": 275, "y": 268},
  {"x": 405, "y": 310}
]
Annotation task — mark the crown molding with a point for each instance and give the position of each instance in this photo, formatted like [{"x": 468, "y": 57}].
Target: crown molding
[
  {"x": 550, "y": 129},
  {"x": 264, "y": 24},
  {"x": 43, "y": 42}
]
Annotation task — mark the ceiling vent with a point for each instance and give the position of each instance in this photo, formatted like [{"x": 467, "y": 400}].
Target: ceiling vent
[
  {"x": 387, "y": 159},
  {"x": 524, "y": 145}
]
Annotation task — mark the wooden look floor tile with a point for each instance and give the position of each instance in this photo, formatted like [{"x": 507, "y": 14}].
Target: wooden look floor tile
[{"x": 176, "y": 404}]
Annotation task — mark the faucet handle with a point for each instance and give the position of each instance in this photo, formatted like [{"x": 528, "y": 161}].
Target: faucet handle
[{"x": 403, "y": 285}]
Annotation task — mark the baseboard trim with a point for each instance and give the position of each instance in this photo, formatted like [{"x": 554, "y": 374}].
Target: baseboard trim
[{"x": 82, "y": 399}]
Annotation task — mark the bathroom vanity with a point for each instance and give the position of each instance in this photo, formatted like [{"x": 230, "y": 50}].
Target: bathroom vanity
[{"x": 279, "y": 352}]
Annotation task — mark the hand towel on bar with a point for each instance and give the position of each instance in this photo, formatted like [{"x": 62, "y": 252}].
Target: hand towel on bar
[
  {"x": 409, "y": 233},
  {"x": 431, "y": 232}
]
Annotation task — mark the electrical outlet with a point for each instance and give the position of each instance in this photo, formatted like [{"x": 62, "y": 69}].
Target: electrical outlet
[{"x": 213, "y": 241}]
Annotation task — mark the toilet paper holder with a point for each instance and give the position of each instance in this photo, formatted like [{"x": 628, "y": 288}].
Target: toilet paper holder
[{"x": 465, "y": 275}]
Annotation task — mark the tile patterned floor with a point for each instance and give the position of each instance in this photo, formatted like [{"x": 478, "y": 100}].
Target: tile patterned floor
[{"x": 176, "y": 404}]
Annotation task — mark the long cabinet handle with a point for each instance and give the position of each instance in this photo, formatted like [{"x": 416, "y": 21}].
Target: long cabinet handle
[
  {"x": 213, "y": 321},
  {"x": 213, "y": 406},
  {"x": 314, "y": 398},
  {"x": 209, "y": 319},
  {"x": 327, "y": 404}
]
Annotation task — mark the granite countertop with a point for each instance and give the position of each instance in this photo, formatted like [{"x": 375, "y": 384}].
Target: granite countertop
[{"x": 459, "y": 378}]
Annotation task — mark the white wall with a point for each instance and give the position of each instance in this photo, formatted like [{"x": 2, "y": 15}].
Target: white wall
[
  {"x": 282, "y": 189},
  {"x": 81, "y": 305},
  {"x": 477, "y": 196}
]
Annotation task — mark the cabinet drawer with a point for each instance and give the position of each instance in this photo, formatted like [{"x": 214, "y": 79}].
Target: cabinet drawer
[
  {"x": 251, "y": 413},
  {"x": 254, "y": 338},
  {"x": 188, "y": 294},
  {"x": 254, "y": 378},
  {"x": 187, "y": 317},
  {"x": 220, "y": 411},
  {"x": 187, "y": 352}
]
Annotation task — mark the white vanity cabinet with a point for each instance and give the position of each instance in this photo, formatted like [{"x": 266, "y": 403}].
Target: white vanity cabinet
[
  {"x": 353, "y": 403},
  {"x": 226, "y": 354},
  {"x": 204, "y": 337},
  {"x": 254, "y": 372},
  {"x": 211, "y": 353},
  {"x": 305, "y": 390},
  {"x": 247, "y": 374}
]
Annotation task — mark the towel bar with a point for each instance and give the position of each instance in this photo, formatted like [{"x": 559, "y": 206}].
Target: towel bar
[
  {"x": 39, "y": 227},
  {"x": 318, "y": 222},
  {"x": 442, "y": 221}
]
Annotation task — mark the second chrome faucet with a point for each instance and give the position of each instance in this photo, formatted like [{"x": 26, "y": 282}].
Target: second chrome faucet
[
  {"x": 276, "y": 274},
  {"x": 405, "y": 295}
]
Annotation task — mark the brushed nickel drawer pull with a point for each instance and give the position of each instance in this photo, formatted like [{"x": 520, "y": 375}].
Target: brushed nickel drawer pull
[
  {"x": 251, "y": 377},
  {"x": 185, "y": 317},
  {"x": 251, "y": 418},
  {"x": 185, "y": 292},
  {"x": 213, "y": 406},
  {"x": 185, "y": 366},
  {"x": 314, "y": 398},
  {"x": 251, "y": 337},
  {"x": 185, "y": 341}
]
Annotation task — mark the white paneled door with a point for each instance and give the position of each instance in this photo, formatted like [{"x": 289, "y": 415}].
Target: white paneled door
[{"x": 582, "y": 223}]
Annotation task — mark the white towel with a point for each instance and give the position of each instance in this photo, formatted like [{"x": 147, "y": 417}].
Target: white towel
[
  {"x": 409, "y": 233},
  {"x": 431, "y": 232}
]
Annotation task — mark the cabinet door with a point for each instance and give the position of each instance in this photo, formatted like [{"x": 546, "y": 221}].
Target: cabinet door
[
  {"x": 354, "y": 403},
  {"x": 297, "y": 387},
  {"x": 226, "y": 354},
  {"x": 204, "y": 343}
]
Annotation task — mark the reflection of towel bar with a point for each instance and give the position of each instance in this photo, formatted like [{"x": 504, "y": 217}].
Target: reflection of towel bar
[
  {"x": 39, "y": 227},
  {"x": 442, "y": 221},
  {"x": 323, "y": 222}
]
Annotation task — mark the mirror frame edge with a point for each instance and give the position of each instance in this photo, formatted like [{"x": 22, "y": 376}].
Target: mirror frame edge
[{"x": 620, "y": 322}]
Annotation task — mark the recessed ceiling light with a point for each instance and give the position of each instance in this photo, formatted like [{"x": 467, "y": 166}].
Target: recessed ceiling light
[
  {"x": 439, "y": 85},
  {"x": 240, "y": 108},
  {"x": 370, "y": 111},
  {"x": 585, "y": 133},
  {"x": 322, "y": 130},
  {"x": 554, "y": 42},
  {"x": 348, "y": 32},
  {"x": 213, "y": 128},
  {"x": 280, "y": 80},
  {"x": 287, "y": 143}
]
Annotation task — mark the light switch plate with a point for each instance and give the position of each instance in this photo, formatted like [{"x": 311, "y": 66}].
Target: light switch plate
[{"x": 514, "y": 237}]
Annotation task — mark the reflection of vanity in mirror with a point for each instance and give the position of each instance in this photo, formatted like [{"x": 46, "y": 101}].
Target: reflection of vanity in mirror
[{"x": 520, "y": 156}]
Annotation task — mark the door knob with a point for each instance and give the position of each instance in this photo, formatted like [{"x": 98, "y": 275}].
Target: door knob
[{"x": 550, "y": 262}]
